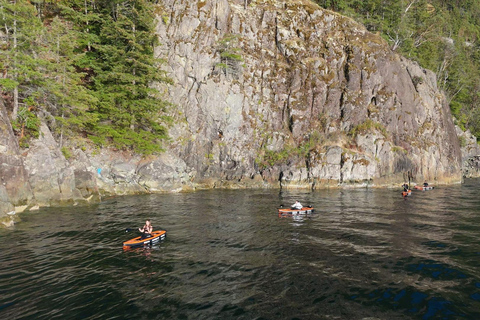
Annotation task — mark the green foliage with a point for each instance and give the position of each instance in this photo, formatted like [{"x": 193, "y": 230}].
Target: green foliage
[
  {"x": 230, "y": 54},
  {"x": 90, "y": 65},
  {"x": 399, "y": 149},
  {"x": 368, "y": 126},
  {"x": 462, "y": 141},
  {"x": 442, "y": 36},
  {"x": 222, "y": 65},
  {"x": 130, "y": 111},
  {"x": 8, "y": 84},
  {"x": 165, "y": 19},
  {"x": 66, "y": 153},
  {"x": 234, "y": 55},
  {"x": 269, "y": 158},
  {"x": 21, "y": 61},
  {"x": 26, "y": 126}
]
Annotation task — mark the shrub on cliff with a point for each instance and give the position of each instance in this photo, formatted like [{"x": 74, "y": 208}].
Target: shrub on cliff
[{"x": 230, "y": 55}]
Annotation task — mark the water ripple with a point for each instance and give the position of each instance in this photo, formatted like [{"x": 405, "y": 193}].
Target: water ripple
[{"x": 365, "y": 254}]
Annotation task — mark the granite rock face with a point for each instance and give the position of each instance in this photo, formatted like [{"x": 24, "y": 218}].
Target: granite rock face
[
  {"x": 119, "y": 173},
  {"x": 315, "y": 99},
  {"x": 14, "y": 187},
  {"x": 470, "y": 154},
  {"x": 471, "y": 167},
  {"x": 49, "y": 174},
  {"x": 166, "y": 173}
]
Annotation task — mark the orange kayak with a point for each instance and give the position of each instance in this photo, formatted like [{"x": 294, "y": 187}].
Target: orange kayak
[
  {"x": 289, "y": 211},
  {"x": 407, "y": 193},
  {"x": 424, "y": 188},
  {"x": 138, "y": 241}
]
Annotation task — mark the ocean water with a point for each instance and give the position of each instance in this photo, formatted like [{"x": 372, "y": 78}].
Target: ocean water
[{"x": 365, "y": 253}]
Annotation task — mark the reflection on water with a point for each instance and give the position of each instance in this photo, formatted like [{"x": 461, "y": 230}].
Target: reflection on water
[{"x": 364, "y": 253}]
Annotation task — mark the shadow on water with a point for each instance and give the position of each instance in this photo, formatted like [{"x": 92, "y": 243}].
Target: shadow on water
[{"x": 364, "y": 253}]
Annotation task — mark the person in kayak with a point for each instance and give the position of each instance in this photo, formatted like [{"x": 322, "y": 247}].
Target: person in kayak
[
  {"x": 405, "y": 187},
  {"x": 425, "y": 184},
  {"x": 297, "y": 205},
  {"x": 147, "y": 229}
]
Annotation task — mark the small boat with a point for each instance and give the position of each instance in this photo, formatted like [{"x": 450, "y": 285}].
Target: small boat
[
  {"x": 422, "y": 188},
  {"x": 290, "y": 211},
  {"x": 138, "y": 241},
  {"x": 407, "y": 193}
]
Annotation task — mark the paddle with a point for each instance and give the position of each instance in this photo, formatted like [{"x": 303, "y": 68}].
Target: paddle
[
  {"x": 136, "y": 229},
  {"x": 409, "y": 174},
  {"x": 307, "y": 206},
  {"x": 143, "y": 233}
]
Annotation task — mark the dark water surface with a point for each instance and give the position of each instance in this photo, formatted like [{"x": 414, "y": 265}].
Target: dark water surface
[{"x": 365, "y": 254}]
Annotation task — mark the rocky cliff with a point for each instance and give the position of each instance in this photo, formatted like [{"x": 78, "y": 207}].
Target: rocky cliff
[
  {"x": 14, "y": 186},
  {"x": 470, "y": 154},
  {"x": 315, "y": 99},
  {"x": 268, "y": 94}
]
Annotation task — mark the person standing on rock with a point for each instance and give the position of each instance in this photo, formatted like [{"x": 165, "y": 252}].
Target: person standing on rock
[{"x": 147, "y": 229}]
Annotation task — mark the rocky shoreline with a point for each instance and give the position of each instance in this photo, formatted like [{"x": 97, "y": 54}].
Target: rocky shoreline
[
  {"x": 41, "y": 176},
  {"x": 317, "y": 102}
]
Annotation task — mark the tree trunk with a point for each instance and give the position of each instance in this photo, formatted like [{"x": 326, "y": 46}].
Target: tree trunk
[
  {"x": 134, "y": 71},
  {"x": 86, "y": 13},
  {"x": 15, "y": 73}
]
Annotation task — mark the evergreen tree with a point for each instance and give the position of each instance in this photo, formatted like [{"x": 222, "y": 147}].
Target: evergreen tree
[
  {"x": 22, "y": 32},
  {"x": 130, "y": 109},
  {"x": 88, "y": 63},
  {"x": 68, "y": 99},
  {"x": 119, "y": 39}
]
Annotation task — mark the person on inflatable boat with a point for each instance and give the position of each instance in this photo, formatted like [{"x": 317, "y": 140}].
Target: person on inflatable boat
[
  {"x": 297, "y": 205},
  {"x": 405, "y": 187},
  {"x": 147, "y": 229},
  {"x": 425, "y": 184}
]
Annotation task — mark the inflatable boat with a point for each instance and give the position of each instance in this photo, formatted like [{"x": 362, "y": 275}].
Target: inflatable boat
[
  {"x": 138, "y": 241},
  {"x": 290, "y": 211},
  {"x": 422, "y": 188}
]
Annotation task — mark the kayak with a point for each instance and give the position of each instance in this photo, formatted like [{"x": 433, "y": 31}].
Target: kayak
[
  {"x": 138, "y": 241},
  {"x": 424, "y": 188},
  {"x": 407, "y": 193},
  {"x": 290, "y": 211}
]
